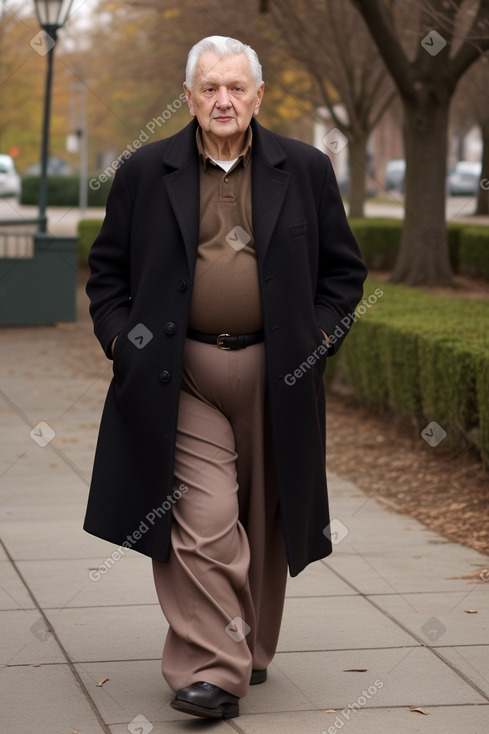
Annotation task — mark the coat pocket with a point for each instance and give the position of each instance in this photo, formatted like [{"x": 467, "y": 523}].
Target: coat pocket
[{"x": 296, "y": 230}]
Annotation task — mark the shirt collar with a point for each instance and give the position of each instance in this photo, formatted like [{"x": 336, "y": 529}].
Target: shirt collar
[{"x": 244, "y": 156}]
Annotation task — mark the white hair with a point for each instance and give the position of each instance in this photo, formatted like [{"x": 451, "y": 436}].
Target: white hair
[{"x": 221, "y": 46}]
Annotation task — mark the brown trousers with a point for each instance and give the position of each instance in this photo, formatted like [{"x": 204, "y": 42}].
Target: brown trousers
[{"x": 223, "y": 589}]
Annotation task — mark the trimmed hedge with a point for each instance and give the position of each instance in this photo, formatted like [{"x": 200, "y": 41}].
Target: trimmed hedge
[
  {"x": 88, "y": 229},
  {"x": 423, "y": 357},
  {"x": 378, "y": 239},
  {"x": 379, "y": 242},
  {"x": 62, "y": 191},
  {"x": 474, "y": 252}
]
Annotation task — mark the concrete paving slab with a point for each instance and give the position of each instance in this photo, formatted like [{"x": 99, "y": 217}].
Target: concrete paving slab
[
  {"x": 36, "y": 466},
  {"x": 13, "y": 594},
  {"x": 337, "y": 623},
  {"x": 386, "y": 571},
  {"x": 26, "y": 639},
  {"x": 317, "y": 580},
  {"x": 47, "y": 700},
  {"x": 394, "y": 677},
  {"x": 42, "y": 512},
  {"x": 51, "y": 539},
  {"x": 441, "y": 618},
  {"x": 61, "y": 583},
  {"x": 112, "y": 633},
  {"x": 472, "y": 661},
  {"x": 134, "y": 688},
  {"x": 460, "y": 719}
]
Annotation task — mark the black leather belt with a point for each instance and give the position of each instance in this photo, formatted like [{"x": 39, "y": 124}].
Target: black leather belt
[{"x": 227, "y": 341}]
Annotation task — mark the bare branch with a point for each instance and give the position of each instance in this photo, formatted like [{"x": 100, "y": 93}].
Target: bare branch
[{"x": 379, "y": 20}]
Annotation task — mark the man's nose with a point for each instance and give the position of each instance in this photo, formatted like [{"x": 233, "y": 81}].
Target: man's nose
[{"x": 223, "y": 97}]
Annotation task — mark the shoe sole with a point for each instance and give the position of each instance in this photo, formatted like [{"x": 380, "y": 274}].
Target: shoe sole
[
  {"x": 257, "y": 677},
  {"x": 226, "y": 711}
]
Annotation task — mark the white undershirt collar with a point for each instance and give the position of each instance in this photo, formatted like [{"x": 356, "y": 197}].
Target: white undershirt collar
[{"x": 225, "y": 165}]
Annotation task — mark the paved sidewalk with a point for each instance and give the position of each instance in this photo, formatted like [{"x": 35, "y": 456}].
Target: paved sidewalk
[{"x": 381, "y": 627}]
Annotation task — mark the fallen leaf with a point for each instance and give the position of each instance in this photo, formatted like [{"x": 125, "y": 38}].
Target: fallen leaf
[
  {"x": 79, "y": 623},
  {"x": 355, "y": 670},
  {"x": 470, "y": 611},
  {"x": 330, "y": 711},
  {"x": 37, "y": 665},
  {"x": 101, "y": 683},
  {"x": 419, "y": 710}
]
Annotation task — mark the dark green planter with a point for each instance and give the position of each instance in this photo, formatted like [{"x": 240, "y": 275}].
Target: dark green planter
[{"x": 40, "y": 290}]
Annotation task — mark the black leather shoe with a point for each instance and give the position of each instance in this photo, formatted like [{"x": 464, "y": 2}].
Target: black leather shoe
[
  {"x": 204, "y": 699},
  {"x": 258, "y": 676}
]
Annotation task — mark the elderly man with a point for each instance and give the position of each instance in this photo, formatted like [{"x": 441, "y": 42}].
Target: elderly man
[{"x": 223, "y": 276}]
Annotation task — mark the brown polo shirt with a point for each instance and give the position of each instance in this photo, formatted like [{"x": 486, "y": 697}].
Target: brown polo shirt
[{"x": 226, "y": 294}]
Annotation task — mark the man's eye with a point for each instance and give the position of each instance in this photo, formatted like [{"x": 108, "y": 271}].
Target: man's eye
[{"x": 238, "y": 89}]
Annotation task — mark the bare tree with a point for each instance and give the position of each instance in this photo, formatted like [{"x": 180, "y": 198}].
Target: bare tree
[
  {"x": 332, "y": 42},
  {"x": 446, "y": 37},
  {"x": 471, "y": 103}
]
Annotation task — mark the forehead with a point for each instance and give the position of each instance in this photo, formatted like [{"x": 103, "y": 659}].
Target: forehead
[{"x": 231, "y": 67}]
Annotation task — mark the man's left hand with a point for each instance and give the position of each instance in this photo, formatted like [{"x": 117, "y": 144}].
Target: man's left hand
[{"x": 326, "y": 337}]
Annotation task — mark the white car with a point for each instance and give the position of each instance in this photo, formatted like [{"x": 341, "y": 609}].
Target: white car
[
  {"x": 10, "y": 182},
  {"x": 395, "y": 172},
  {"x": 465, "y": 179}
]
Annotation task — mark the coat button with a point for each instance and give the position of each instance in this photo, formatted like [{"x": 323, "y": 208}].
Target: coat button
[
  {"x": 170, "y": 328},
  {"x": 165, "y": 376},
  {"x": 275, "y": 327},
  {"x": 182, "y": 285}
]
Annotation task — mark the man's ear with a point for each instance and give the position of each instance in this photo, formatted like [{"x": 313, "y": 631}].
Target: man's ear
[
  {"x": 259, "y": 96},
  {"x": 188, "y": 95}
]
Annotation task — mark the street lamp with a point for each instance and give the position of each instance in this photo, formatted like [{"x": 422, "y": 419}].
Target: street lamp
[{"x": 52, "y": 15}]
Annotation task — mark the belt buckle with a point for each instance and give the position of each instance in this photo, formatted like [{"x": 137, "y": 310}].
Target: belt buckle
[{"x": 220, "y": 344}]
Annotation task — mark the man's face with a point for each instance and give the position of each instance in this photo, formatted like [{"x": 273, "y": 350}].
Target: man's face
[{"x": 224, "y": 97}]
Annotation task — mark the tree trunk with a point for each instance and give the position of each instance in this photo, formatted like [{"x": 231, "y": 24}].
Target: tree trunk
[
  {"x": 357, "y": 166},
  {"x": 483, "y": 195},
  {"x": 423, "y": 256}
]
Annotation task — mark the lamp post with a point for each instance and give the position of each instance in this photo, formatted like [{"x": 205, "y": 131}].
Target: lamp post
[{"x": 52, "y": 15}]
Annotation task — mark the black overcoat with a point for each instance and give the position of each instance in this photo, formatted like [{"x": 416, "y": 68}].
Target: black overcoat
[{"x": 142, "y": 267}]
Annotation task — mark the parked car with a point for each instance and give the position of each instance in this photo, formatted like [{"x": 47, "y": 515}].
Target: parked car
[
  {"x": 395, "y": 172},
  {"x": 465, "y": 179},
  {"x": 10, "y": 182},
  {"x": 56, "y": 167}
]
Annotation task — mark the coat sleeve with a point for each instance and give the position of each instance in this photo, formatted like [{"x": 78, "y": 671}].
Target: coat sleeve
[
  {"x": 108, "y": 286},
  {"x": 341, "y": 270}
]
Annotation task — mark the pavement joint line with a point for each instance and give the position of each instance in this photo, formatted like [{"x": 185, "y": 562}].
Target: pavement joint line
[
  {"x": 232, "y": 724},
  {"x": 69, "y": 662},
  {"x": 375, "y": 570},
  {"x": 453, "y": 647},
  {"x": 412, "y": 634}
]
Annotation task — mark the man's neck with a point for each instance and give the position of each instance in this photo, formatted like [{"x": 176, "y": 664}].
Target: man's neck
[{"x": 227, "y": 149}]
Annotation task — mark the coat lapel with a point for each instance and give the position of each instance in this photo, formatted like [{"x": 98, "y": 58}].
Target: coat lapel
[
  {"x": 182, "y": 186},
  {"x": 269, "y": 186}
]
